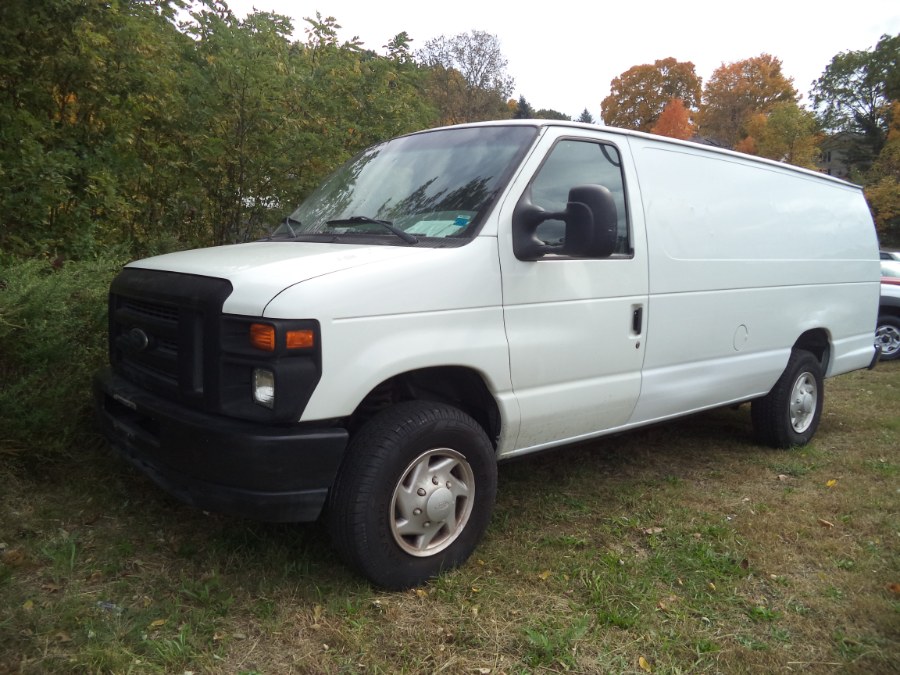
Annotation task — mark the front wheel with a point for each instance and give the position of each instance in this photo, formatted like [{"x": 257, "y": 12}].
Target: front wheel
[
  {"x": 887, "y": 334},
  {"x": 414, "y": 495},
  {"x": 789, "y": 414}
]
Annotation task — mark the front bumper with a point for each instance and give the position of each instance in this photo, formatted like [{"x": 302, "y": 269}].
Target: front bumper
[{"x": 272, "y": 473}]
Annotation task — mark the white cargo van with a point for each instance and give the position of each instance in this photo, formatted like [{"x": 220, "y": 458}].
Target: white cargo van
[{"x": 463, "y": 295}]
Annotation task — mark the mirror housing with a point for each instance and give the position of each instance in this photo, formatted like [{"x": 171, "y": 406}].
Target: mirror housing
[{"x": 591, "y": 225}]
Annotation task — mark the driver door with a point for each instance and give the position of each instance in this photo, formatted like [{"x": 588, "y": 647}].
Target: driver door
[{"x": 575, "y": 326}]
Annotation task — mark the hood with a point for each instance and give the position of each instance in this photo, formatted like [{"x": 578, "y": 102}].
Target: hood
[{"x": 261, "y": 270}]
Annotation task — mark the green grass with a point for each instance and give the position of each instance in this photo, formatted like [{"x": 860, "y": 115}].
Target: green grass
[{"x": 683, "y": 547}]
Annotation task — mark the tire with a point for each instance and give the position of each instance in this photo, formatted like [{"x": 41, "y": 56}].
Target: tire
[
  {"x": 789, "y": 415},
  {"x": 414, "y": 495},
  {"x": 887, "y": 334}
]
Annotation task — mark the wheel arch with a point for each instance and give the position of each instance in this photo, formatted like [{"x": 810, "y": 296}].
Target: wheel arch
[
  {"x": 460, "y": 386},
  {"x": 817, "y": 342}
]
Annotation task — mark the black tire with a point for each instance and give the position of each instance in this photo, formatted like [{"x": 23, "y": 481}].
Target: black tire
[
  {"x": 414, "y": 494},
  {"x": 887, "y": 334},
  {"x": 789, "y": 415}
]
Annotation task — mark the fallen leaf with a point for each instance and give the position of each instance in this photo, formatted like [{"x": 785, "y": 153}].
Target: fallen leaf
[
  {"x": 712, "y": 586},
  {"x": 645, "y": 665},
  {"x": 28, "y": 605},
  {"x": 652, "y": 530},
  {"x": 157, "y": 623},
  {"x": 14, "y": 557},
  {"x": 544, "y": 575},
  {"x": 831, "y": 483},
  {"x": 825, "y": 523}
]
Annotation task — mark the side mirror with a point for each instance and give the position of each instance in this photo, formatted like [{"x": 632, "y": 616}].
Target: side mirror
[{"x": 591, "y": 223}]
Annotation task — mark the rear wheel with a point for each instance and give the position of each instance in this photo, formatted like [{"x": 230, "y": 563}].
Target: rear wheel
[
  {"x": 887, "y": 334},
  {"x": 414, "y": 495},
  {"x": 789, "y": 414}
]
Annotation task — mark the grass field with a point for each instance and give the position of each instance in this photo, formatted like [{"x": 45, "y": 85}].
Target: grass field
[{"x": 679, "y": 548}]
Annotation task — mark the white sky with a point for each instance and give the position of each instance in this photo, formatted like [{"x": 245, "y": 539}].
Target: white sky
[{"x": 563, "y": 56}]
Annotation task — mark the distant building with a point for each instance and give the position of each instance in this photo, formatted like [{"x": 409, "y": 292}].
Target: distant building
[{"x": 836, "y": 151}]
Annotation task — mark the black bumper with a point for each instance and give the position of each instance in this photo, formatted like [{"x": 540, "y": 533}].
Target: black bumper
[{"x": 272, "y": 473}]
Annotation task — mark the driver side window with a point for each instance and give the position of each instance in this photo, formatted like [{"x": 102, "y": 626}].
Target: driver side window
[{"x": 572, "y": 163}]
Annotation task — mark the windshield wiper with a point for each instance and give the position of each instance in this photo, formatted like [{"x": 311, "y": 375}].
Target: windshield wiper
[
  {"x": 365, "y": 220},
  {"x": 288, "y": 221}
]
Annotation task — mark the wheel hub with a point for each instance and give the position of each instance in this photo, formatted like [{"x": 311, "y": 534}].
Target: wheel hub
[
  {"x": 804, "y": 398},
  {"x": 889, "y": 339},
  {"x": 432, "y": 502}
]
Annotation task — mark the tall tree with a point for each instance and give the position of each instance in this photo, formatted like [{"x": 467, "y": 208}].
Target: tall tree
[
  {"x": 468, "y": 80},
  {"x": 674, "y": 121},
  {"x": 639, "y": 95},
  {"x": 883, "y": 188},
  {"x": 854, "y": 95},
  {"x": 737, "y": 91},
  {"x": 524, "y": 111},
  {"x": 585, "y": 117}
]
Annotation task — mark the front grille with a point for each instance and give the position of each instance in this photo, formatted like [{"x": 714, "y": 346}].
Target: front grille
[
  {"x": 164, "y": 332},
  {"x": 150, "y": 310}
]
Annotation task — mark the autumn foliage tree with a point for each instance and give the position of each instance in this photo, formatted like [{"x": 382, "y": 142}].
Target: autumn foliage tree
[
  {"x": 639, "y": 95},
  {"x": 738, "y": 91},
  {"x": 674, "y": 121}
]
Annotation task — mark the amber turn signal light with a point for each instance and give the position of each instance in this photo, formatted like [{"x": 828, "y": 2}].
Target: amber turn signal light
[
  {"x": 300, "y": 339},
  {"x": 262, "y": 336}
]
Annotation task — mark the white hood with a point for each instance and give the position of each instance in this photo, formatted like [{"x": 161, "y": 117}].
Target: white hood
[{"x": 261, "y": 270}]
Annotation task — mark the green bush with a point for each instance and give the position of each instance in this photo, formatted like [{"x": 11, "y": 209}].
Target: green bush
[{"x": 52, "y": 338}]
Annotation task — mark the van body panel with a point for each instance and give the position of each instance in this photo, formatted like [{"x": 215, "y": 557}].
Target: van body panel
[
  {"x": 436, "y": 307},
  {"x": 744, "y": 258}
]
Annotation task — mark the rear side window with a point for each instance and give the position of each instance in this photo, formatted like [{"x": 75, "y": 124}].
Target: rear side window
[{"x": 572, "y": 163}]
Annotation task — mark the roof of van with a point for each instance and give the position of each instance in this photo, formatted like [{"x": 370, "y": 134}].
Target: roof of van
[{"x": 653, "y": 137}]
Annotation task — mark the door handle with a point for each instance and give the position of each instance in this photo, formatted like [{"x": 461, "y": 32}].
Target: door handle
[{"x": 637, "y": 320}]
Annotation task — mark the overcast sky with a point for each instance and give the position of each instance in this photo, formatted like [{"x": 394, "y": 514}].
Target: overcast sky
[{"x": 563, "y": 55}]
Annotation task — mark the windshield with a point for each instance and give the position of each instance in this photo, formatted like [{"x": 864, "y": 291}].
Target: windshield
[{"x": 432, "y": 185}]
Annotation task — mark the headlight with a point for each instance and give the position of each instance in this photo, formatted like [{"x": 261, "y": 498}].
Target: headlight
[{"x": 264, "y": 387}]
